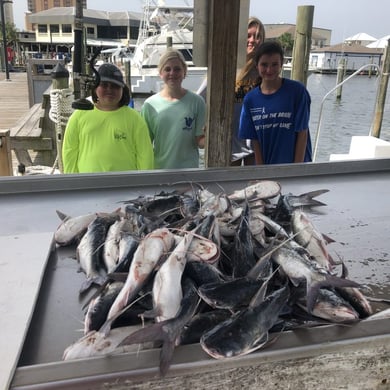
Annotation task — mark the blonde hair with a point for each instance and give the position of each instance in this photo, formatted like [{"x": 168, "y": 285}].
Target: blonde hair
[{"x": 172, "y": 54}]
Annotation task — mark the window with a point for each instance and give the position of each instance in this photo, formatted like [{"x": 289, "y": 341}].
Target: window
[
  {"x": 90, "y": 31},
  {"x": 42, "y": 28},
  {"x": 57, "y": 3},
  {"x": 54, "y": 28},
  {"x": 66, "y": 28},
  {"x": 67, "y": 3}
]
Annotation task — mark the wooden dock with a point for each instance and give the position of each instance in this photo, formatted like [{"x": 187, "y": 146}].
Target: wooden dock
[
  {"x": 30, "y": 129},
  {"x": 14, "y": 101}
]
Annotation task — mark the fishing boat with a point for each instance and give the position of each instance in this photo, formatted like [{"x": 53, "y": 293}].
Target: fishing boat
[{"x": 163, "y": 26}]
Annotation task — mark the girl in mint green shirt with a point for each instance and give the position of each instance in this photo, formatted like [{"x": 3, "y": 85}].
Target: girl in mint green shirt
[{"x": 175, "y": 117}]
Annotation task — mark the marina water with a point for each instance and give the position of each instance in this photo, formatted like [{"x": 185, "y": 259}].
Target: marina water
[{"x": 341, "y": 119}]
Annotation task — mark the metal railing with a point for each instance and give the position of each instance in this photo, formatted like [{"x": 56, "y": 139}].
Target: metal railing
[{"x": 325, "y": 97}]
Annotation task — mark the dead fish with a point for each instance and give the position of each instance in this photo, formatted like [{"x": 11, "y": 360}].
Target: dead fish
[
  {"x": 167, "y": 291},
  {"x": 354, "y": 296},
  {"x": 72, "y": 229},
  {"x": 99, "y": 307},
  {"x": 111, "y": 250},
  {"x": 201, "y": 272},
  {"x": 288, "y": 203},
  {"x": 263, "y": 189},
  {"x": 168, "y": 331},
  {"x": 202, "y": 323},
  {"x": 97, "y": 344},
  {"x": 247, "y": 330},
  {"x": 311, "y": 239},
  {"x": 212, "y": 204},
  {"x": 380, "y": 315},
  {"x": 151, "y": 249},
  {"x": 299, "y": 268},
  {"x": 332, "y": 307},
  {"x": 243, "y": 256},
  {"x": 230, "y": 294},
  {"x": 89, "y": 251}
]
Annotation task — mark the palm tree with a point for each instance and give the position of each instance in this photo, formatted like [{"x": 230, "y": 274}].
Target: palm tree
[{"x": 287, "y": 42}]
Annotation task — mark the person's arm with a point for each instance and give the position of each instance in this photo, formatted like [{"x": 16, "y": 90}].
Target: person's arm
[
  {"x": 70, "y": 147},
  {"x": 145, "y": 153},
  {"x": 201, "y": 141},
  {"x": 258, "y": 155},
  {"x": 300, "y": 146}
]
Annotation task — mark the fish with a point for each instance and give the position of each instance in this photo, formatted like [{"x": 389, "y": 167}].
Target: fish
[
  {"x": 168, "y": 331},
  {"x": 99, "y": 307},
  {"x": 230, "y": 294},
  {"x": 243, "y": 256},
  {"x": 311, "y": 239},
  {"x": 263, "y": 189},
  {"x": 72, "y": 229},
  {"x": 300, "y": 268},
  {"x": 248, "y": 329},
  {"x": 287, "y": 203},
  {"x": 212, "y": 204},
  {"x": 202, "y": 272},
  {"x": 332, "y": 307},
  {"x": 201, "y": 323},
  {"x": 89, "y": 251},
  {"x": 116, "y": 233},
  {"x": 167, "y": 291},
  {"x": 96, "y": 343},
  {"x": 152, "y": 248}
]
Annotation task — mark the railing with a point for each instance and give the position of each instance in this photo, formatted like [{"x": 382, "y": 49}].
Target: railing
[{"x": 325, "y": 97}]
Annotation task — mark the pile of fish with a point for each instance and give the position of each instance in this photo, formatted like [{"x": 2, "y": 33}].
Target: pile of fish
[{"x": 192, "y": 266}]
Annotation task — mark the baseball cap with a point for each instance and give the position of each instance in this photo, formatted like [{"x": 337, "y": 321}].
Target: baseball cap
[{"x": 111, "y": 73}]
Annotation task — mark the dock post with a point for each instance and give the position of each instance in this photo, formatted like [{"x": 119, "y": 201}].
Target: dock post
[
  {"x": 5, "y": 153},
  {"x": 302, "y": 43},
  {"x": 60, "y": 84},
  {"x": 381, "y": 95},
  {"x": 340, "y": 78}
]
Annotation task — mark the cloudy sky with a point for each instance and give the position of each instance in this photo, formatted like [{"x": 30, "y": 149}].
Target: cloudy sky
[{"x": 344, "y": 17}]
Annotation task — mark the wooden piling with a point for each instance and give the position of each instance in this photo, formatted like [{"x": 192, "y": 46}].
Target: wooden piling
[
  {"x": 60, "y": 81},
  {"x": 5, "y": 154},
  {"x": 340, "y": 77},
  {"x": 302, "y": 43},
  {"x": 381, "y": 95},
  {"x": 221, "y": 75}
]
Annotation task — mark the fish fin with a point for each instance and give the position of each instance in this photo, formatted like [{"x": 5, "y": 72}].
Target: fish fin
[
  {"x": 327, "y": 239},
  {"x": 153, "y": 332},
  {"x": 99, "y": 280},
  {"x": 166, "y": 354},
  {"x": 85, "y": 286},
  {"x": 330, "y": 281},
  {"x": 62, "y": 216},
  {"x": 118, "y": 276}
]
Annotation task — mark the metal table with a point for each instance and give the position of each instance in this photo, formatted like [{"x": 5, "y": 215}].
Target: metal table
[{"x": 357, "y": 216}]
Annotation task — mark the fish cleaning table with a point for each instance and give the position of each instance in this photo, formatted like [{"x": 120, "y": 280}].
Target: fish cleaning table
[{"x": 42, "y": 314}]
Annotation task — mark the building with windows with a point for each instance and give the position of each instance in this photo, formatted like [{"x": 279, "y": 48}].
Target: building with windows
[
  {"x": 320, "y": 36},
  {"x": 35, "y": 6},
  {"x": 41, "y": 5},
  {"x": 52, "y": 31}
]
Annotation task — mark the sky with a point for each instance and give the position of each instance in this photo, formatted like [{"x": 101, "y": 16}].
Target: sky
[{"x": 344, "y": 17}]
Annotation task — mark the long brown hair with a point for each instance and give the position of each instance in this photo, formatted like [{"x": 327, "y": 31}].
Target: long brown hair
[{"x": 249, "y": 77}]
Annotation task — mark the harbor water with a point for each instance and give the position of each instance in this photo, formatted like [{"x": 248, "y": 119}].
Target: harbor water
[
  {"x": 341, "y": 119},
  {"x": 352, "y": 115}
]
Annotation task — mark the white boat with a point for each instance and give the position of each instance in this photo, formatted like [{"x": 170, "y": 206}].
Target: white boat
[{"x": 163, "y": 26}]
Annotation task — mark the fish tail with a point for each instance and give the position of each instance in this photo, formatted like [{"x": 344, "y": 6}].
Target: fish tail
[{"x": 164, "y": 331}]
